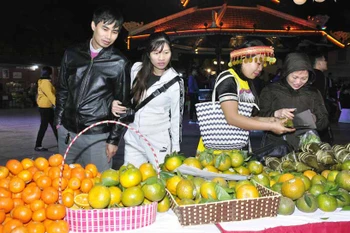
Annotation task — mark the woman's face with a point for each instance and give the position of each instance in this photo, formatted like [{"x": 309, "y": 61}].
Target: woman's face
[
  {"x": 253, "y": 69},
  {"x": 297, "y": 79},
  {"x": 160, "y": 59}
]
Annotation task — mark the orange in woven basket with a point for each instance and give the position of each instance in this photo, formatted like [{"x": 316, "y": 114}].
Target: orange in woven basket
[
  {"x": 227, "y": 211},
  {"x": 113, "y": 219}
]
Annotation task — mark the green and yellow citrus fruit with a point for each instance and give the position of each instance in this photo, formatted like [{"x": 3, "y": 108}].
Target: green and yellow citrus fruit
[
  {"x": 293, "y": 188},
  {"x": 222, "y": 162},
  {"x": 286, "y": 206},
  {"x": 130, "y": 177},
  {"x": 307, "y": 203},
  {"x": 193, "y": 162},
  {"x": 99, "y": 197},
  {"x": 237, "y": 159},
  {"x": 154, "y": 189},
  {"x": 185, "y": 189},
  {"x": 164, "y": 204},
  {"x": 132, "y": 196},
  {"x": 343, "y": 179},
  {"x": 255, "y": 167},
  {"x": 116, "y": 196},
  {"x": 208, "y": 190},
  {"x": 327, "y": 202},
  {"x": 172, "y": 182},
  {"x": 110, "y": 177}
]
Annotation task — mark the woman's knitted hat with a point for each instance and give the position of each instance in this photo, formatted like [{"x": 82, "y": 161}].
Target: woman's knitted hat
[{"x": 296, "y": 61}]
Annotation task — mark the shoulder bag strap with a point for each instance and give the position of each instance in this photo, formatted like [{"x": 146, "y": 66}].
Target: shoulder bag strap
[
  {"x": 217, "y": 82},
  {"x": 157, "y": 92}
]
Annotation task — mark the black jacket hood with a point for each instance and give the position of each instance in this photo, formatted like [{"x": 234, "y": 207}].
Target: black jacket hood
[{"x": 295, "y": 62}]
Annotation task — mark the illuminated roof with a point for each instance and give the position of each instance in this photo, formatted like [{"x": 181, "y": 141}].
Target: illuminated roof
[{"x": 205, "y": 29}]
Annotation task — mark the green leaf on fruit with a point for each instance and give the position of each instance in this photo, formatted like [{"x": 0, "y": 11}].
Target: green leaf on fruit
[{"x": 222, "y": 194}]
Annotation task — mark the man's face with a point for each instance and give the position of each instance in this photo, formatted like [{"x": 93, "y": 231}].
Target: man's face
[
  {"x": 323, "y": 63},
  {"x": 104, "y": 34}
]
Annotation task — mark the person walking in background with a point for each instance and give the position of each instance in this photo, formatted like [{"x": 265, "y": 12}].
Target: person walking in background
[
  {"x": 160, "y": 120},
  {"x": 193, "y": 92},
  {"x": 46, "y": 101},
  {"x": 92, "y": 75},
  {"x": 321, "y": 82},
  {"x": 291, "y": 95},
  {"x": 32, "y": 93}
]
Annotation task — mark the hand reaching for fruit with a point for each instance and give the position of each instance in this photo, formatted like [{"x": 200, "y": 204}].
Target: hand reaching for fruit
[{"x": 285, "y": 113}]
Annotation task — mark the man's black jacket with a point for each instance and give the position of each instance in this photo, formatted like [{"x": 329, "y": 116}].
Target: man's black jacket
[{"x": 87, "y": 87}]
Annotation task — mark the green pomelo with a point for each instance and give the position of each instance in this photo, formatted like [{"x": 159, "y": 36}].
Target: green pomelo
[
  {"x": 326, "y": 202},
  {"x": 277, "y": 187},
  {"x": 286, "y": 206},
  {"x": 316, "y": 189},
  {"x": 343, "y": 179},
  {"x": 307, "y": 203},
  {"x": 343, "y": 198},
  {"x": 110, "y": 177}
]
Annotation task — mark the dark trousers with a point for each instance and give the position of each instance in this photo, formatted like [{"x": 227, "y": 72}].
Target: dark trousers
[
  {"x": 46, "y": 118},
  {"x": 193, "y": 101}
]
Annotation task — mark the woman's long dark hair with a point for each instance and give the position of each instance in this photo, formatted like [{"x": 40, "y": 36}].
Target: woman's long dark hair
[{"x": 155, "y": 41}]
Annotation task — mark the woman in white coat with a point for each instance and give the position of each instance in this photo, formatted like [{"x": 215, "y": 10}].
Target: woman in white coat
[{"x": 160, "y": 120}]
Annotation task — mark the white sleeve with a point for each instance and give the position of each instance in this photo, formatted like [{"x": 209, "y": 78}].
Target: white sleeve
[
  {"x": 176, "y": 112},
  {"x": 134, "y": 70}
]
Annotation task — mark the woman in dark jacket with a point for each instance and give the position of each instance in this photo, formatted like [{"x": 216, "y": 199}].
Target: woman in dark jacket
[{"x": 293, "y": 94}]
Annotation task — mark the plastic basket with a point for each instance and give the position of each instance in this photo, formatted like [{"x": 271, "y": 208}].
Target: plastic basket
[
  {"x": 113, "y": 219},
  {"x": 228, "y": 211}
]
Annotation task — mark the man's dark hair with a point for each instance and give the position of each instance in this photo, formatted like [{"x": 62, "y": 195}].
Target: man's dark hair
[
  {"x": 46, "y": 71},
  {"x": 314, "y": 56},
  {"x": 108, "y": 15}
]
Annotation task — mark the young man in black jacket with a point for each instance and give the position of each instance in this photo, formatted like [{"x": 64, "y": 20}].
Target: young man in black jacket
[
  {"x": 92, "y": 75},
  {"x": 321, "y": 82}
]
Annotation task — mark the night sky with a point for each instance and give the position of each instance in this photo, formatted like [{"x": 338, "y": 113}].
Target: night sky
[{"x": 44, "y": 28}]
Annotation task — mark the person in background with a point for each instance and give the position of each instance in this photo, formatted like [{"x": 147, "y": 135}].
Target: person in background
[
  {"x": 160, "y": 120},
  {"x": 321, "y": 82},
  {"x": 236, "y": 93},
  {"x": 32, "y": 93},
  {"x": 344, "y": 95},
  {"x": 277, "y": 76},
  {"x": 291, "y": 95},
  {"x": 193, "y": 92},
  {"x": 92, "y": 75},
  {"x": 46, "y": 101}
]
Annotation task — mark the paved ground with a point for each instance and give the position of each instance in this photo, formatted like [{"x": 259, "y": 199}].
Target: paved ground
[
  {"x": 18, "y": 130},
  {"x": 19, "y": 127}
]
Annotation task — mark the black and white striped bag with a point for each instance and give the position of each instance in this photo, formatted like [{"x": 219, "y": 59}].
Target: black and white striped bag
[{"x": 216, "y": 133}]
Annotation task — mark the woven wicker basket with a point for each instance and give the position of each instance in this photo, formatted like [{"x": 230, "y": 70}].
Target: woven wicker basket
[
  {"x": 227, "y": 211},
  {"x": 114, "y": 219}
]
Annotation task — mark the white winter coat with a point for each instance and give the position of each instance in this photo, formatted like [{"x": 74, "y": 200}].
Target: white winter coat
[{"x": 154, "y": 117}]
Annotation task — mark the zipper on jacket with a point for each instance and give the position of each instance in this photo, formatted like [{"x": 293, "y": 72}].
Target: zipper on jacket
[{"x": 86, "y": 78}]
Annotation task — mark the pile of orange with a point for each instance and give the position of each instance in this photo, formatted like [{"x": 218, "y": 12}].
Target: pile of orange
[
  {"x": 127, "y": 187},
  {"x": 29, "y": 193}
]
